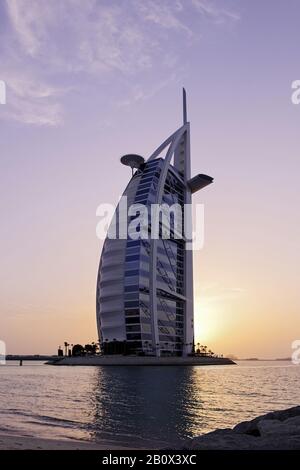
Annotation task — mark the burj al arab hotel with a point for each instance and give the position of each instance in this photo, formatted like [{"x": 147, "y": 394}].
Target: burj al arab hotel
[{"x": 144, "y": 298}]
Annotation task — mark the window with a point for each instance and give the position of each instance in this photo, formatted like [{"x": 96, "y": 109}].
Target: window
[
  {"x": 146, "y": 179},
  {"x": 131, "y": 312},
  {"x": 133, "y": 272},
  {"x": 132, "y": 265},
  {"x": 133, "y": 243},
  {"x": 140, "y": 200},
  {"x": 142, "y": 191},
  {"x": 129, "y": 280},
  {"x": 131, "y": 288},
  {"x": 136, "y": 328},
  {"x": 147, "y": 336},
  {"x": 130, "y": 320},
  {"x": 131, "y": 303},
  {"x": 133, "y": 336},
  {"x": 131, "y": 296},
  {"x": 109, "y": 283},
  {"x": 145, "y": 184},
  {"x": 132, "y": 251},
  {"x": 152, "y": 163}
]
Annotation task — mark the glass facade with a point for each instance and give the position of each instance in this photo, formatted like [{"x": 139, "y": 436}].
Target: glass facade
[
  {"x": 137, "y": 266},
  {"x": 145, "y": 281},
  {"x": 135, "y": 325}
]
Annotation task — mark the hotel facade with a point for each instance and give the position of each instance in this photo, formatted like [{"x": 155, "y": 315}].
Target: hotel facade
[{"x": 144, "y": 297}]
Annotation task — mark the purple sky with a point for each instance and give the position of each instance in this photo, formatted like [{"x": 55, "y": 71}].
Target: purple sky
[{"x": 89, "y": 81}]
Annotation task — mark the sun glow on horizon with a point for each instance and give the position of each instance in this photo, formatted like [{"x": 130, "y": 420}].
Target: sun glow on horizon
[{"x": 208, "y": 328}]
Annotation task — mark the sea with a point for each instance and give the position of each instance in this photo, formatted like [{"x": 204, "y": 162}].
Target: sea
[{"x": 140, "y": 407}]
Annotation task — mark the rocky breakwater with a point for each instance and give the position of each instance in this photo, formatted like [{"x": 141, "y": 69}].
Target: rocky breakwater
[{"x": 279, "y": 430}]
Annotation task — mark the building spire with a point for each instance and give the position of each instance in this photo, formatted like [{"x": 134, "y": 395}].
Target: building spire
[{"x": 184, "y": 106}]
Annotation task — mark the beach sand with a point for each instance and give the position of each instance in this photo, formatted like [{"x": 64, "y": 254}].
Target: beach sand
[{"x": 10, "y": 442}]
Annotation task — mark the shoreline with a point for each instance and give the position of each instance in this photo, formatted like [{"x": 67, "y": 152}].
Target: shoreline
[
  {"x": 17, "y": 442},
  {"x": 140, "y": 361},
  {"x": 277, "y": 430}
]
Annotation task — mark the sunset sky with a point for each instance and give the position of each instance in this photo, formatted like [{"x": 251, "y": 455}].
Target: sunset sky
[{"x": 88, "y": 81}]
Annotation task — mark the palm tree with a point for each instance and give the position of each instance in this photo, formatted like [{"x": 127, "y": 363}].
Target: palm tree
[
  {"x": 77, "y": 350},
  {"x": 66, "y": 347},
  {"x": 94, "y": 347}
]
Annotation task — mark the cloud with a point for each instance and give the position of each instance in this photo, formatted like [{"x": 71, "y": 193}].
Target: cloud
[
  {"x": 23, "y": 19},
  {"x": 32, "y": 102},
  {"x": 126, "y": 43},
  {"x": 90, "y": 36},
  {"x": 215, "y": 293},
  {"x": 140, "y": 94},
  {"x": 216, "y": 14},
  {"x": 163, "y": 14},
  {"x": 36, "y": 113}
]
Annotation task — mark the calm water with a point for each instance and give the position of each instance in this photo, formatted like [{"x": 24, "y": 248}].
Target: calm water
[{"x": 140, "y": 406}]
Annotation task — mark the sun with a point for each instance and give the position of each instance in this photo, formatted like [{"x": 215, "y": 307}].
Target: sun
[{"x": 206, "y": 321}]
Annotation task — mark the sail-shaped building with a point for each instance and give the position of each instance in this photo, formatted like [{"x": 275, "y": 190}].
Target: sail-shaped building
[{"x": 145, "y": 286}]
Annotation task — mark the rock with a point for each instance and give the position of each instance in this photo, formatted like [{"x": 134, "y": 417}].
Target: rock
[
  {"x": 222, "y": 439},
  {"x": 267, "y": 427},
  {"x": 294, "y": 421},
  {"x": 227, "y": 439},
  {"x": 270, "y": 427},
  {"x": 251, "y": 427},
  {"x": 279, "y": 430},
  {"x": 247, "y": 427},
  {"x": 283, "y": 415},
  {"x": 273, "y": 442}
]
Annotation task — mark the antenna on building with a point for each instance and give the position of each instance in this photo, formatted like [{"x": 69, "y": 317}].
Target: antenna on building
[
  {"x": 184, "y": 106},
  {"x": 132, "y": 160}
]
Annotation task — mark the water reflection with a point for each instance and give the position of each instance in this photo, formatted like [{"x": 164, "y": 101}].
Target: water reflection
[
  {"x": 139, "y": 404},
  {"x": 166, "y": 405}
]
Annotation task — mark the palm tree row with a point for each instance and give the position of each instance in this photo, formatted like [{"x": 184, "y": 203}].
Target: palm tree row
[
  {"x": 202, "y": 350},
  {"x": 93, "y": 348},
  {"x": 79, "y": 350}
]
